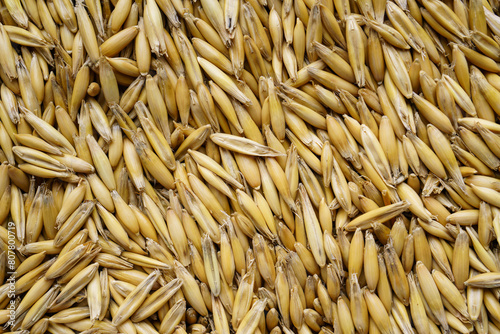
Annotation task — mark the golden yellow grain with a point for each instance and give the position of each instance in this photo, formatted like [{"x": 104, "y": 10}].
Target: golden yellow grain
[{"x": 234, "y": 163}]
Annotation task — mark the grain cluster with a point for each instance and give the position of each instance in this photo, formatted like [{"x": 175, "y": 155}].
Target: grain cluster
[{"x": 249, "y": 166}]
